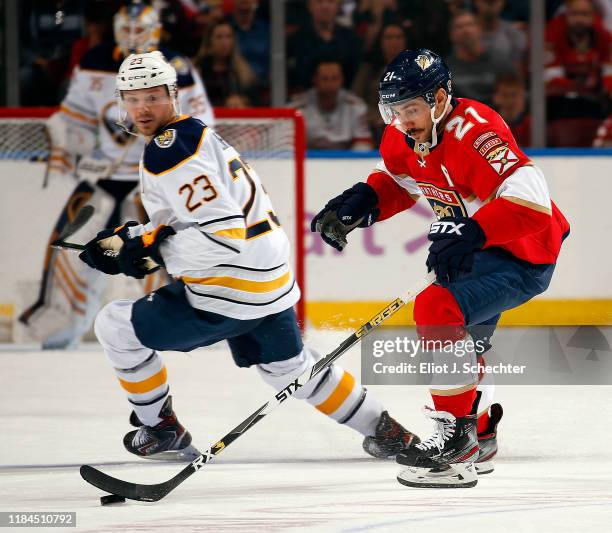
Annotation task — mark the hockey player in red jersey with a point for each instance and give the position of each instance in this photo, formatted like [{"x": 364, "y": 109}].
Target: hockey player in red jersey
[{"x": 494, "y": 245}]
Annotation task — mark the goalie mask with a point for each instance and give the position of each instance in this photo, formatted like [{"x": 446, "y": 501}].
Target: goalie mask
[
  {"x": 415, "y": 74},
  {"x": 137, "y": 28},
  {"x": 144, "y": 71}
]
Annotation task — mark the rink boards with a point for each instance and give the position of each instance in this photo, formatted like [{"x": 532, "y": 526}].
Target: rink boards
[{"x": 343, "y": 289}]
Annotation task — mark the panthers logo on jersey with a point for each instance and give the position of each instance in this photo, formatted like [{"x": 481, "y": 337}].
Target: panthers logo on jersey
[
  {"x": 444, "y": 202},
  {"x": 166, "y": 139}
]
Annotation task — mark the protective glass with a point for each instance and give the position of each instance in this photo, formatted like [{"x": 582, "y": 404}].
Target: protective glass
[
  {"x": 132, "y": 100},
  {"x": 404, "y": 110}
]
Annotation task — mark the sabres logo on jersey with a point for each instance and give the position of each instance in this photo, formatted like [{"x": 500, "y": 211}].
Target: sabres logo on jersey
[
  {"x": 166, "y": 139},
  {"x": 502, "y": 158},
  {"x": 424, "y": 61}
]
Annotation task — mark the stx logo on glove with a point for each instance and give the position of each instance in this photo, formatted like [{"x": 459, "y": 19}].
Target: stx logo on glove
[{"x": 446, "y": 227}]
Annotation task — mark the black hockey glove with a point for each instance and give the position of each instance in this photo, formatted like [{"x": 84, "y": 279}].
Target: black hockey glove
[
  {"x": 102, "y": 251},
  {"x": 354, "y": 208},
  {"x": 140, "y": 255},
  {"x": 455, "y": 239}
]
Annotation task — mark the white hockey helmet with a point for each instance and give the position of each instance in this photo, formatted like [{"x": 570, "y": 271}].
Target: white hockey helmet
[
  {"x": 137, "y": 28},
  {"x": 143, "y": 71}
]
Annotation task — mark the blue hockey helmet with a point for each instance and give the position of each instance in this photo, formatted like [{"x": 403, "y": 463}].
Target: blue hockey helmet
[{"x": 411, "y": 74}]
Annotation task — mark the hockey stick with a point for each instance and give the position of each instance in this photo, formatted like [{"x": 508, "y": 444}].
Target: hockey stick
[
  {"x": 65, "y": 245},
  {"x": 81, "y": 218},
  {"x": 153, "y": 493}
]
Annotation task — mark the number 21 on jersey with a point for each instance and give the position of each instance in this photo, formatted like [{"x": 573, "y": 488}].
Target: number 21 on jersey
[{"x": 460, "y": 125}]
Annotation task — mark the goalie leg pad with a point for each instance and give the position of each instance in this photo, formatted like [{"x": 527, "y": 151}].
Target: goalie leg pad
[{"x": 70, "y": 293}]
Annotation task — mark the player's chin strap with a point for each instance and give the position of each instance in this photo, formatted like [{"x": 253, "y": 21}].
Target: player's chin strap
[
  {"x": 424, "y": 148},
  {"x": 436, "y": 121}
]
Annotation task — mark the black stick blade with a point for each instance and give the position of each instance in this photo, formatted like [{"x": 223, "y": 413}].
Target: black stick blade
[
  {"x": 81, "y": 218},
  {"x": 130, "y": 491}
]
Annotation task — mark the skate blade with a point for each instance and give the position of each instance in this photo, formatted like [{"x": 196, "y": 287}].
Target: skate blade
[
  {"x": 457, "y": 476},
  {"x": 186, "y": 455},
  {"x": 486, "y": 467}
]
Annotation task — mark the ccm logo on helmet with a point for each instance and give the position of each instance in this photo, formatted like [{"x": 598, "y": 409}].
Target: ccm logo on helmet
[{"x": 446, "y": 227}]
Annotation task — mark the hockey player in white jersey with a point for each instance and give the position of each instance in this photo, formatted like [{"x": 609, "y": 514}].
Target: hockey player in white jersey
[
  {"x": 213, "y": 227},
  {"x": 86, "y": 143}
]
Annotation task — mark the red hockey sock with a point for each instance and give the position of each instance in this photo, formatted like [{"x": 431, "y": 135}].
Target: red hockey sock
[
  {"x": 458, "y": 405},
  {"x": 483, "y": 422}
]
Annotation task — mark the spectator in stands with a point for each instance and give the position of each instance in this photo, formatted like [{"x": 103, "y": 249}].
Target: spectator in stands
[
  {"x": 456, "y": 6},
  {"x": 369, "y": 18},
  {"x": 46, "y": 33},
  {"x": 518, "y": 11},
  {"x": 603, "y": 137},
  {"x": 222, "y": 66},
  {"x": 579, "y": 69},
  {"x": 237, "y": 101},
  {"x": 97, "y": 26},
  {"x": 425, "y": 21},
  {"x": 335, "y": 118},
  {"x": 474, "y": 68},
  {"x": 185, "y": 22},
  {"x": 253, "y": 35},
  {"x": 390, "y": 42},
  {"x": 321, "y": 35},
  {"x": 503, "y": 40},
  {"x": 510, "y": 103}
]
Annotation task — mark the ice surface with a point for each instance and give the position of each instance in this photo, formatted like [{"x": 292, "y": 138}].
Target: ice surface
[{"x": 296, "y": 470}]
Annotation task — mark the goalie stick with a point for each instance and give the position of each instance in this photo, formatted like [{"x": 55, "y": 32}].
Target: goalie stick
[
  {"x": 81, "y": 218},
  {"x": 153, "y": 493}
]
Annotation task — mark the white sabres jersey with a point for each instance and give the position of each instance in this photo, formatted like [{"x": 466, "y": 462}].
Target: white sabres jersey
[
  {"x": 229, "y": 250},
  {"x": 91, "y": 104}
]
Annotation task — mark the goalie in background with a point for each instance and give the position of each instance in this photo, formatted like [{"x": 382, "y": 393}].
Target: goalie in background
[
  {"x": 213, "y": 227},
  {"x": 87, "y": 144}
]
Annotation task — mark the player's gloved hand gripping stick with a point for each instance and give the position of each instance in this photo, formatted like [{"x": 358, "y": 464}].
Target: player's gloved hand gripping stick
[
  {"x": 152, "y": 493},
  {"x": 112, "y": 251}
]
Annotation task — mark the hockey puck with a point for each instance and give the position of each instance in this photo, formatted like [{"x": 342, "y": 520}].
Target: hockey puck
[{"x": 111, "y": 498}]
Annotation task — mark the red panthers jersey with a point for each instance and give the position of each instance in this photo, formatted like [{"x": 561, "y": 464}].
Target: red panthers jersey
[{"x": 476, "y": 170}]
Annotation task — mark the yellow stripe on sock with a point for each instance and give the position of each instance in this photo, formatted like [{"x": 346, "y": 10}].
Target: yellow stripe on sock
[
  {"x": 146, "y": 385},
  {"x": 339, "y": 395}
]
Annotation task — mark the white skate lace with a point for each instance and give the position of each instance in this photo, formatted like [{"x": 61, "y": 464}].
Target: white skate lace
[{"x": 445, "y": 429}]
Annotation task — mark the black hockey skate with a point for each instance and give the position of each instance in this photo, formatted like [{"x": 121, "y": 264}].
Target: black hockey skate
[
  {"x": 446, "y": 459},
  {"x": 166, "y": 441},
  {"x": 390, "y": 438},
  {"x": 487, "y": 442}
]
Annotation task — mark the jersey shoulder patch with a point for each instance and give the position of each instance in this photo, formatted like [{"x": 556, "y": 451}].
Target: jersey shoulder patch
[
  {"x": 101, "y": 57},
  {"x": 182, "y": 65},
  {"x": 178, "y": 142},
  {"x": 165, "y": 139}
]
